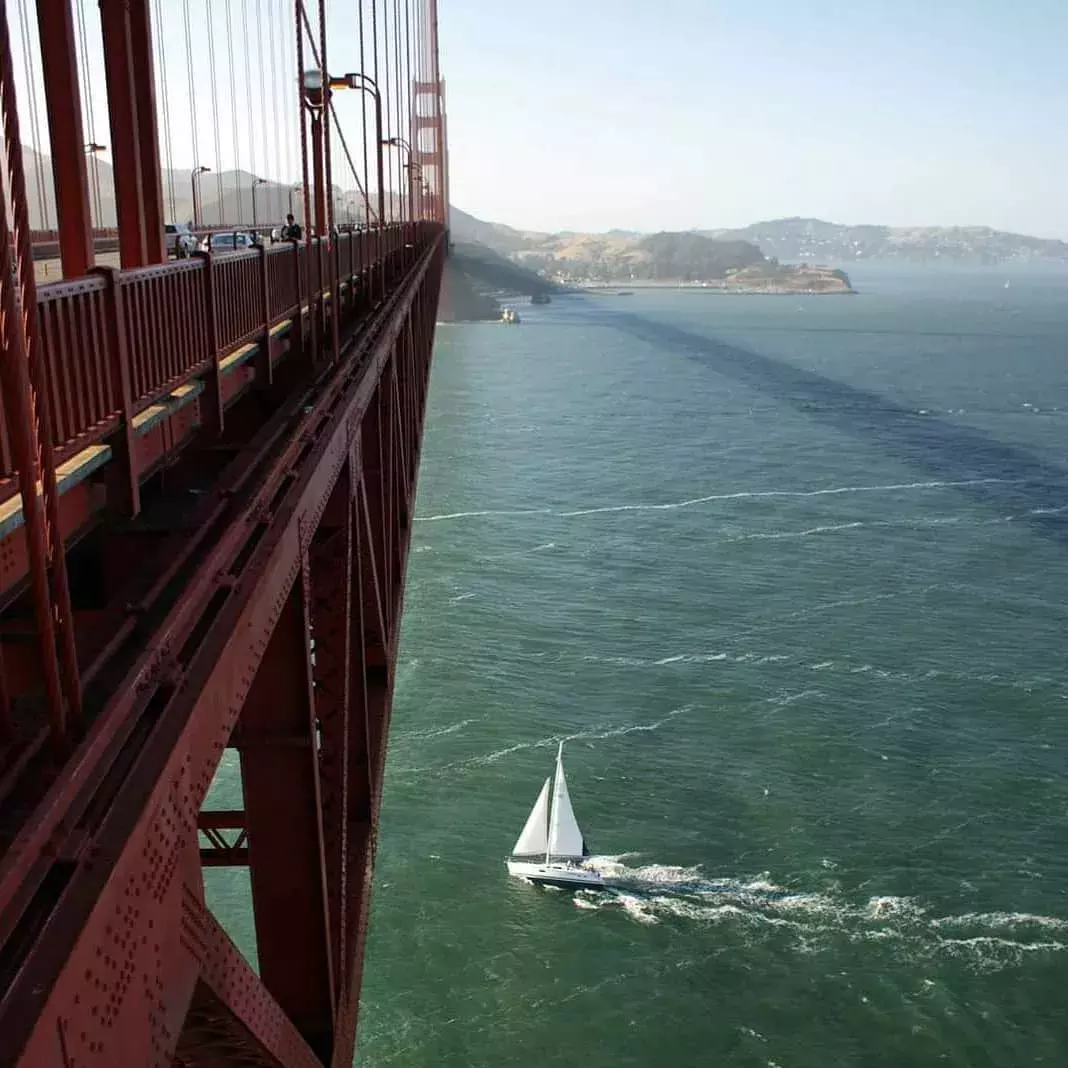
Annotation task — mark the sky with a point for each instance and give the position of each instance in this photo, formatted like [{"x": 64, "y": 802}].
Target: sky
[
  {"x": 672, "y": 114},
  {"x": 652, "y": 114}
]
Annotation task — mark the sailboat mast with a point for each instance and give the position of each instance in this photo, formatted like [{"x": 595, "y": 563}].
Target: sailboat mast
[{"x": 552, "y": 809}]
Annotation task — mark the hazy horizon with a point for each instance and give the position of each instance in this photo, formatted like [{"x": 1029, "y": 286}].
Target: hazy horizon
[
  {"x": 756, "y": 222},
  {"x": 703, "y": 115}
]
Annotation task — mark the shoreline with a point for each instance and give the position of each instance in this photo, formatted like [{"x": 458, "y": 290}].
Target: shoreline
[{"x": 740, "y": 291}]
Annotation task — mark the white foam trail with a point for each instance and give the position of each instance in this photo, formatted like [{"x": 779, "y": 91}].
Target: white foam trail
[
  {"x": 483, "y": 513},
  {"x": 1001, "y": 920},
  {"x": 549, "y": 742},
  {"x": 434, "y": 732},
  {"x": 782, "y": 535},
  {"x": 461, "y": 597},
  {"x": 653, "y": 893},
  {"x": 892, "y": 487},
  {"x": 689, "y": 502}
]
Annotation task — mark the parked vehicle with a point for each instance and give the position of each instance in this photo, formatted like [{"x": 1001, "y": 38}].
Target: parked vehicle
[
  {"x": 179, "y": 239},
  {"x": 229, "y": 241}
]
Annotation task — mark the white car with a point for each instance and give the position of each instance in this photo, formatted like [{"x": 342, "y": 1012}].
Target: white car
[
  {"x": 179, "y": 239},
  {"x": 228, "y": 241}
]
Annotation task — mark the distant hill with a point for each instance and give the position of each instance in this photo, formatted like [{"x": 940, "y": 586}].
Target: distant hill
[
  {"x": 816, "y": 241},
  {"x": 609, "y": 256},
  {"x": 614, "y": 256},
  {"x": 225, "y": 196}
]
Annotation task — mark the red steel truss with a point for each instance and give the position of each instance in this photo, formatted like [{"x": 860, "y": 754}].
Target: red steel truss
[{"x": 207, "y": 477}]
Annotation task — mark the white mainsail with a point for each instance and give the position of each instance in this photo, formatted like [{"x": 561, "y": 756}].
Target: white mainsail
[
  {"x": 565, "y": 838},
  {"x": 534, "y": 837}
]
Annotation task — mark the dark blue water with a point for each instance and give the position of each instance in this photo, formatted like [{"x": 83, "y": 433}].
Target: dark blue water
[{"x": 790, "y": 575}]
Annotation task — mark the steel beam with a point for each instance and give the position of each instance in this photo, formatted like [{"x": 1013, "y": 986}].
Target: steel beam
[
  {"x": 59, "y": 63},
  {"x": 27, "y": 422},
  {"x": 144, "y": 86},
  {"x": 111, "y": 856},
  {"x": 126, "y": 27},
  {"x": 278, "y": 741}
]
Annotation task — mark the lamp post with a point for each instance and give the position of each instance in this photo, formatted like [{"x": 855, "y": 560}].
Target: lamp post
[
  {"x": 197, "y": 172},
  {"x": 400, "y": 142},
  {"x": 365, "y": 84},
  {"x": 255, "y": 182}
]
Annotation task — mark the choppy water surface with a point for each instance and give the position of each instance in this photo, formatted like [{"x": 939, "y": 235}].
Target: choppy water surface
[{"x": 790, "y": 576}]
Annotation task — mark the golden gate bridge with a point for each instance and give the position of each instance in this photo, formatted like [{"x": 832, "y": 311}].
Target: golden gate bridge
[{"x": 207, "y": 475}]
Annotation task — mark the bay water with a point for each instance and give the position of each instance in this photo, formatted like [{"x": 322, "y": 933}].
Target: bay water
[{"x": 789, "y": 577}]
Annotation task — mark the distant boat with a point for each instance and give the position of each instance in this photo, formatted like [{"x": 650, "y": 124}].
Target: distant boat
[
  {"x": 550, "y": 849},
  {"x": 1006, "y": 285}
]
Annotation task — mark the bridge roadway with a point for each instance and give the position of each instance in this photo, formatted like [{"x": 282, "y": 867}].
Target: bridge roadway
[{"x": 236, "y": 444}]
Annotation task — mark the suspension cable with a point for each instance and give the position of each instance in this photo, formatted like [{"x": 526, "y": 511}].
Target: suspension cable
[
  {"x": 220, "y": 194},
  {"x": 32, "y": 94},
  {"x": 275, "y": 84},
  {"x": 345, "y": 148},
  {"x": 288, "y": 129},
  {"x": 192, "y": 93},
  {"x": 88, "y": 109},
  {"x": 363, "y": 109},
  {"x": 233, "y": 89},
  {"x": 164, "y": 81},
  {"x": 251, "y": 122}
]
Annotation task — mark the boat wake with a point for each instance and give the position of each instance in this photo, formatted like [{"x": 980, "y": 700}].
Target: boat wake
[{"x": 756, "y": 907}]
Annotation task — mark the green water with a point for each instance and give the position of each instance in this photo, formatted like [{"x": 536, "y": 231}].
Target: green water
[{"x": 789, "y": 576}]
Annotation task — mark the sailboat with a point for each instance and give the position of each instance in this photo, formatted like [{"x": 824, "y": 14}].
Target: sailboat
[{"x": 550, "y": 849}]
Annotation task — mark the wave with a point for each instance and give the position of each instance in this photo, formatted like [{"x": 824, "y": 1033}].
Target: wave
[
  {"x": 551, "y": 741},
  {"x": 758, "y": 907},
  {"x": 432, "y": 732},
  {"x": 689, "y": 502},
  {"x": 836, "y": 667}
]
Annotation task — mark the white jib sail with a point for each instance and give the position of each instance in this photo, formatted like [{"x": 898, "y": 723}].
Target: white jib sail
[
  {"x": 565, "y": 838},
  {"x": 535, "y": 834}
]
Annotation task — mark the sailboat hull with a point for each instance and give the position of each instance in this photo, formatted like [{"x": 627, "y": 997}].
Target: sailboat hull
[{"x": 565, "y": 875}]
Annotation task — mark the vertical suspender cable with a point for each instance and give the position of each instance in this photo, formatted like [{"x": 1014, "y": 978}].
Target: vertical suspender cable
[
  {"x": 164, "y": 82},
  {"x": 88, "y": 114},
  {"x": 279, "y": 210},
  {"x": 328, "y": 188},
  {"x": 230, "y": 51},
  {"x": 398, "y": 127},
  {"x": 192, "y": 89},
  {"x": 381, "y": 90},
  {"x": 220, "y": 193},
  {"x": 32, "y": 94},
  {"x": 284, "y": 84},
  {"x": 263, "y": 88},
  {"x": 363, "y": 109},
  {"x": 408, "y": 107},
  {"x": 298, "y": 11},
  {"x": 251, "y": 122}
]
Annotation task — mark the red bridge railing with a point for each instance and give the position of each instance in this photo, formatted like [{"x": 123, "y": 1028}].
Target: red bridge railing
[{"x": 115, "y": 341}]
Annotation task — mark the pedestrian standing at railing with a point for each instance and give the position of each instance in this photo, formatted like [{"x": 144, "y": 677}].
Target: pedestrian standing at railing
[{"x": 292, "y": 230}]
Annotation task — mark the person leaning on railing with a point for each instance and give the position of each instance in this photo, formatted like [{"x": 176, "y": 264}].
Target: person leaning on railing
[{"x": 292, "y": 230}]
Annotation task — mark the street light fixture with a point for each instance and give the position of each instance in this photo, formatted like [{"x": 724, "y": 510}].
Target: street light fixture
[
  {"x": 255, "y": 182},
  {"x": 410, "y": 167},
  {"x": 197, "y": 172},
  {"x": 366, "y": 84},
  {"x": 94, "y": 147}
]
